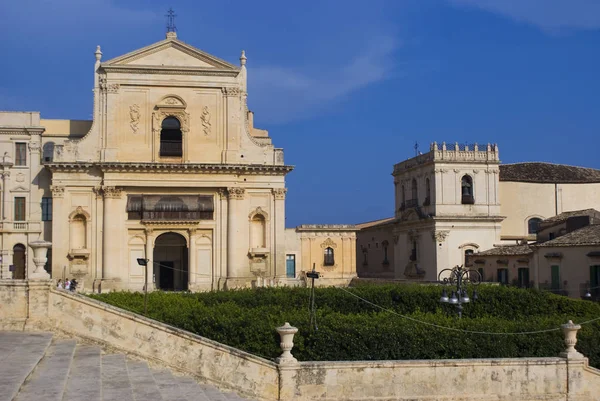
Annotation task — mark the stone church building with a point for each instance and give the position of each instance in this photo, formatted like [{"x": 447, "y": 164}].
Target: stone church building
[
  {"x": 171, "y": 170},
  {"x": 458, "y": 200}
]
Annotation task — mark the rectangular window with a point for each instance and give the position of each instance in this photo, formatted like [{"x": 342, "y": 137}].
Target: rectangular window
[
  {"x": 595, "y": 280},
  {"x": 555, "y": 274},
  {"x": 480, "y": 270},
  {"x": 46, "y": 209},
  {"x": 503, "y": 276},
  {"x": 290, "y": 266},
  {"x": 19, "y": 209},
  {"x": 20, "y": 154},
  {"x": 524, "y": 277}
]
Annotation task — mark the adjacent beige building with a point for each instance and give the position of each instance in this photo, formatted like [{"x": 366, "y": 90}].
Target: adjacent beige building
[
  {"x": 565, "y": 258},
  {"x": 170, "y": 170},
  {"x": 457, "y": 200}
]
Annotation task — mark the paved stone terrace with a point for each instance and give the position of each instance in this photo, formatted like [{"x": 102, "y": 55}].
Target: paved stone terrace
[{"x": 36, "y": 366}]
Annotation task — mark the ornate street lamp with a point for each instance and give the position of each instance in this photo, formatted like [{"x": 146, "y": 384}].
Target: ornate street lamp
[{"x": 458, "y": 278}]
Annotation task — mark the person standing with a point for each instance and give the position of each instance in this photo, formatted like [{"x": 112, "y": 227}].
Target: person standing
[
  {"x": 59, "y": 285},
  {"x": 67, "y": 284}
]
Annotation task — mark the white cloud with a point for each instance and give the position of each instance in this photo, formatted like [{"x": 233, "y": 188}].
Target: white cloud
[
  {"x": 549, "y": 15},
  {"x": 281, "y": 94}
]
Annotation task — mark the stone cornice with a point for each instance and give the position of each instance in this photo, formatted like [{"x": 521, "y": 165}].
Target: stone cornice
[
  {"x": 21, "y": 130},
  {"x": 327, "y": 227},
  {"x": 144, "y": 69},
  {"x": 186, "y": 168}
]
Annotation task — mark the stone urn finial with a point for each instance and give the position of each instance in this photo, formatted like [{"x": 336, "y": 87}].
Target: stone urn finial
[
  {"x": 286, "y": 332},
  {"x": 570, "y": 332},
  {"x": 40, "y": 250}
]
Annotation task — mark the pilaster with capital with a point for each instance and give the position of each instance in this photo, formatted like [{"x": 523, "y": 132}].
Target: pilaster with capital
[
  {"x": 5, "y": 195},
  {"x": 111, "y": 247},
  {"x": 149, "y": 254},
  {"x": 279, "y": 231},
  {"x": 238, "y": 235},
  {"x": 233, "y": 123},
  {"x": 192, "y": 262}
]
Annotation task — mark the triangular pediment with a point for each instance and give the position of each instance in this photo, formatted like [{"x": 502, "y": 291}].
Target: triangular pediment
[{"x": 170, "y": 53}]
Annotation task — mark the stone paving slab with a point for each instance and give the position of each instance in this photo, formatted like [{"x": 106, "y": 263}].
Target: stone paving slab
[
  {"x": 191, "y": 390},
  {"x": 115, "y": 379},
  {"x": 143, "y": 383},
  {"x": 33, "y": 367},
  {"x": 85, "y": 382},
  {"x": 167, "y": 385},
  {"x": 15, "y": 368},
  {"x": 47, "y": 382}
]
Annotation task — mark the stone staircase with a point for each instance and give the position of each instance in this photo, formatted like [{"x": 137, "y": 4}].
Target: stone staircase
[{"x": 36, "y": 366}]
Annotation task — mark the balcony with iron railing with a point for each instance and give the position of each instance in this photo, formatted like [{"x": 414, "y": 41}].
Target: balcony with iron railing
[
  {"x": 171, "y": 148},
  {"x": 171, "y": 215}
]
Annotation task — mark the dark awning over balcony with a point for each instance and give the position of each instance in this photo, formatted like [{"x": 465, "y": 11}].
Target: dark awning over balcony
[{"x": 167, "y": 207}]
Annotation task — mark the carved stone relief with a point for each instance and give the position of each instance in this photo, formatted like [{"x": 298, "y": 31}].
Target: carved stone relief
[
  {"x": 57, "y": 191},
  {"x": 439, "y": 236},
  {"x": 236, "y": 193},
  {"x": 328, "y": 243},
  {"x": 134, "y": 114},
  {"x": 279, "y": 193},
  {"x": 205, "y": 118},
  {"x": 112, "y": 192}
]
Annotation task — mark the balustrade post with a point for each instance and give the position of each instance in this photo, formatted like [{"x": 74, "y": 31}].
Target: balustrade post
[{"x": 570, "y": 332}]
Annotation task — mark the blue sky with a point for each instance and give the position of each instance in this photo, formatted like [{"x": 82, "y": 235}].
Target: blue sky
[{"x": 346, "y": 87}]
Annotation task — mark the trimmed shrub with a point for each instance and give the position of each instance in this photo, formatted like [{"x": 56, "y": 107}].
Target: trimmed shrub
[{"x": 349, "y": 328}]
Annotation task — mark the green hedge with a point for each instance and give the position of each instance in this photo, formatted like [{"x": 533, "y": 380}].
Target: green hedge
[{"x": 351, "y": 329}]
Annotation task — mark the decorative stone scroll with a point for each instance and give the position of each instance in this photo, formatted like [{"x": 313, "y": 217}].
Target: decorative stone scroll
[
  {"x": 58, "y": 191},
  {"x": 205, "y": 118},
  {"x": 328, "y": 243},
  {"x": 112, "y": 192},
  {"x": 34, "y": 147},
  {"x": 134, "y": 115},
  {"x": 279, "y": 193},
  {"x": 231, "y": 91},
  {"x": 439, "y": 236},
  {"x": 236, "y": 193}
]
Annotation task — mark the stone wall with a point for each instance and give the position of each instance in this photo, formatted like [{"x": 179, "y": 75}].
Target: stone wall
[{"x": 35, "y": 306}]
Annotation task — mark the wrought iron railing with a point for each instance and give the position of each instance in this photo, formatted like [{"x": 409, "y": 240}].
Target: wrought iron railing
[{"x": 171, "y": 148}]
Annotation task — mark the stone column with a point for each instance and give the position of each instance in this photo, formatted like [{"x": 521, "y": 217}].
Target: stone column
[
  {"x": 60, "y": 245},
  {"x": 192, "y": 268},
  {"x": 237, "y": 238},
  {"x": 34, "y": 196},
  {"x": 279, "y": 222},
  {"x": 5, "y": 195},
  {"x": 149, "y": 255},
  {"x": 110, "y": 243}
]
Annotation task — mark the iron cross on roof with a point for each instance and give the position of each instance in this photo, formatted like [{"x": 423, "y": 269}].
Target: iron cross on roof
[{"x": 171, "y": 20}]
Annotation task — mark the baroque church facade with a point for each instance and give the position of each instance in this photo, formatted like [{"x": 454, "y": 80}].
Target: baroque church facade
[{"x": 171, "y": 171}]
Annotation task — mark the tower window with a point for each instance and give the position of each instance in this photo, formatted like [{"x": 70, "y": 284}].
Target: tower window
[
  {"x": 467, "y": 190},
  {"x": 427, "y": 192},
  {"x": 171, "y": 138},
  {"x": 533, "y": 225}
]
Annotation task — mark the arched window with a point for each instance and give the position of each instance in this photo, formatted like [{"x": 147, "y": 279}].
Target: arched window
[
  {"x": 171, "y": 138},
  {"x": 533, "y": 225},
  {"x": 413, "y": 189},
  {"x": 427, "y": 192},
  {"x": 466, "y": 184},
  {"x": 328, "y": 257},
  {"x": 385, "y": 245},
  {"x": 258, "y": 230},
  {"x": 48, "y": 151},
  {"x": 468, "y": 257}
]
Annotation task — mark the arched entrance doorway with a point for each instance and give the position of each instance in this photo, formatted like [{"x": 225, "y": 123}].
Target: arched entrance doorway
[
  {"x": 171, "y": 262},
  {"x": 19, "y": 262}
]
